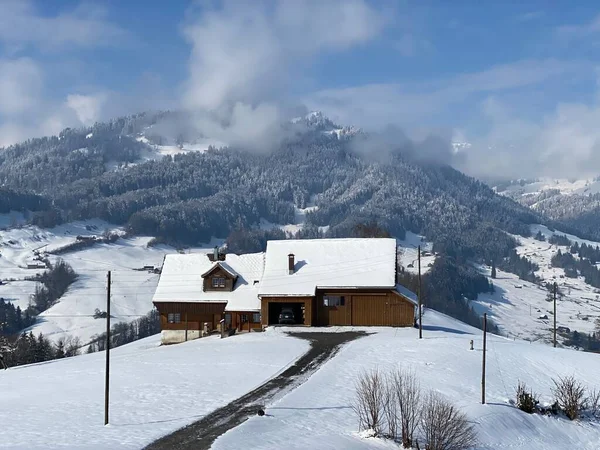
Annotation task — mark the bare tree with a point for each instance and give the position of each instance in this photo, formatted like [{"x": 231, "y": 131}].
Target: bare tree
[
  {"x": 390, "y": 408},
  {"x": 570, "y": 396},
  {"x": 370, "y": 401},
  {"x": 444, "y": 426},
  {"x": 593, "y": 402},
  {"x": 406, "y": 392}
]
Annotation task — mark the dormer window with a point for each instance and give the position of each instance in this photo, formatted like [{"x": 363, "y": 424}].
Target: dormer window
[{"x": 218, "y": 282}]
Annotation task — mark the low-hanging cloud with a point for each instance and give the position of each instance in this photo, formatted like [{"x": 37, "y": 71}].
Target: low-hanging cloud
[
  {"x": 564, "y": 144},
  {"x": 246, "y": 58}
]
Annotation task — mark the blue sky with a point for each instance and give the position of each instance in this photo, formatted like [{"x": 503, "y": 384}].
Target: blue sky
[{"x": 517, "y": 77}]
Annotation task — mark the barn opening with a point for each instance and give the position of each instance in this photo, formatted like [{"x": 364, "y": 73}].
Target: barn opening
[{"x": 276, "y": 307}]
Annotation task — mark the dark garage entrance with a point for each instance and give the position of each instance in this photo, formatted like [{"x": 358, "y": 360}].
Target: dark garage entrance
[{"x": 276, "y": 307}]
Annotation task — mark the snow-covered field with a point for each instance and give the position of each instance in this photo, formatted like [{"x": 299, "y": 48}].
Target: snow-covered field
[
  {"x": 521, "y": 309},
  {"x": 408, "y": 254},
  {"x": 131, "y": 289},
  {"x": 564, "y": 186},
  {"x": 154, "y": 390},
  {"x": 319, "y": 413}
]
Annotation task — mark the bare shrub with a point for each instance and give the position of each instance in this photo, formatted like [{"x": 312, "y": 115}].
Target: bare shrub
[
  {"x": 406, "y": 393},
  {"x": 526, "y": 400},
  {"x": 370, "y": 401},
  {"x": 570, "y": 396},
  {"x": 390, "y": 408},
  {"x": 444, "y": 426},
  {"x": 593, "y": 402}
]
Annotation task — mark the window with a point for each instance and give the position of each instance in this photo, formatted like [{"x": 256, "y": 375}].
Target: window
[
  {"x": 333, "y": 300},
  {"x": 243, "y": 318},
  {"x": 218, "y": 282},
  {"x": 228, "y": 319},
  {"x": 256, "y": 318},
  {"x": 174, "y": 318}
]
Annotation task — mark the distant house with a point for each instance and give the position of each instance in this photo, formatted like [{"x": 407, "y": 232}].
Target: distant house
[
  {"x": 195, "y": 289},
  {"x": 322, "y": 281}
]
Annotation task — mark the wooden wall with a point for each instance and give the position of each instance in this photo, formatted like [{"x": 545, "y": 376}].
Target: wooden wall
[
  {"x": 365, "y": 308},
  {"x": 197, "y": 314},
  {"x": 218, "y": 273}
]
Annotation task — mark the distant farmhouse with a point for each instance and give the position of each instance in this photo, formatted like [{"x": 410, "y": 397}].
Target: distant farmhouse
[{"x": 317, "y": 282}]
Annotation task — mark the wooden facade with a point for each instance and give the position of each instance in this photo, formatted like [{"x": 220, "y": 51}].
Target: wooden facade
[
  {"x": 192, "y": 316},
  {"x": 384, "y": 307},
  {"x": 217, "y": 272}
]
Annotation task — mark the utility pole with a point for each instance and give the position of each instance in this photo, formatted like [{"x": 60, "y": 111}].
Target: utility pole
[
  {"x": 483, "y": 367},
  {"x": 106, "y": 381},
  {"x": 420, "y": 294},
  {"x": 555, "y": 289}
]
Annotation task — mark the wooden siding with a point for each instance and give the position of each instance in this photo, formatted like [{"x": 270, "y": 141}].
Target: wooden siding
[
  {"x": 307, "y": 301},
  {"x": 197, "y": 314},
  {"x": 334, "y": 315},
  {"x": 236, "y": 321},
  {"x": 217, "y": 272},
  {"x": 389, "y": 310},
  {"x": 365, "y": 308}
]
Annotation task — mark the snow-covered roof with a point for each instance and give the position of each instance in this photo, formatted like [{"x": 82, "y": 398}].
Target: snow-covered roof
[
  {"x": 407, "y": 293},
  {"x": 181, "y": 280},
  {"x": 328, "y": 263}
]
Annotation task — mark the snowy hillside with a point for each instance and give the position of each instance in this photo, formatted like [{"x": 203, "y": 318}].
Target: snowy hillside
[
  {"x": 318, "y": 414},
  {"x": 521, "y": 308},
  {"x": 59, "y": 404},
  {"x": 131, "y": 288},
  {"x": 562, "y": 186}
]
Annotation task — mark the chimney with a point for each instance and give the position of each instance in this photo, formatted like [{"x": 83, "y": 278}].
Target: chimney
[
  {"x": 291, "y": 263},
  {"x": 215, "y": 254}
]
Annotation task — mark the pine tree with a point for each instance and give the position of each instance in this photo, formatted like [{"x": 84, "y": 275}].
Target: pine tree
[
  {"x": 493, "y": 269},
  {"x": 60, "y": 349}
]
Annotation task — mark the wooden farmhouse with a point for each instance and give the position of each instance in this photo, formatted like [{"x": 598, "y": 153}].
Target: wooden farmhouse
[
  {"x": 322, "y": 282},
  {"x": 199, "y": 288}
]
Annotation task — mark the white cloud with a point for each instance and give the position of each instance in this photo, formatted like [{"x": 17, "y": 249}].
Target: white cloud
[
  {"x": 86, "y": 107},
  {"x": 583, "y": 30},
  {"x": 563, "y": 144},
  {"x": 21, "y": 24},
  {"x": 414, "y": 104},
  {"x": 246, "y": 56},
  {"x": 27, "y": 108},
  {"x": 20, "y": 86}
]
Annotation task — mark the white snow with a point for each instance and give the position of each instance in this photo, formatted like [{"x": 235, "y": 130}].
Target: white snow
[
  {"x": 154, "y": 390},
  {"x": 564, "y": 186},
  {"x": 131, "y": 291},
  {"x": 199, "y": 145},
  {"x": 181, "y": 280},
  {"x": 408, "y": 253},
  {"x": 328, "y": 263},
  {"x": 319, "y": 413},
  {"x": 517, "y": 305}
]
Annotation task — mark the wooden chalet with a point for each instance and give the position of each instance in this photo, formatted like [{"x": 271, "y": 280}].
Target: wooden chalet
[
  {"x": 198, "y": 288},
  {"x": 324, "y": 281}
]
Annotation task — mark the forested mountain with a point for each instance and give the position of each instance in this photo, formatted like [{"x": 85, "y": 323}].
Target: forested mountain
[
  {"x": 575, "y": 203},
  {"x": 189, "y": 197}
]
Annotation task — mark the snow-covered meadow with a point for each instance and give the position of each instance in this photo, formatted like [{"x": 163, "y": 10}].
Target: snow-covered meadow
[
  {"x": 521, "y": 308},
  {"x": 131, "y": 288},
  {"x": 319, "y": 413},
  {"x": 154, "y": 390}
]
